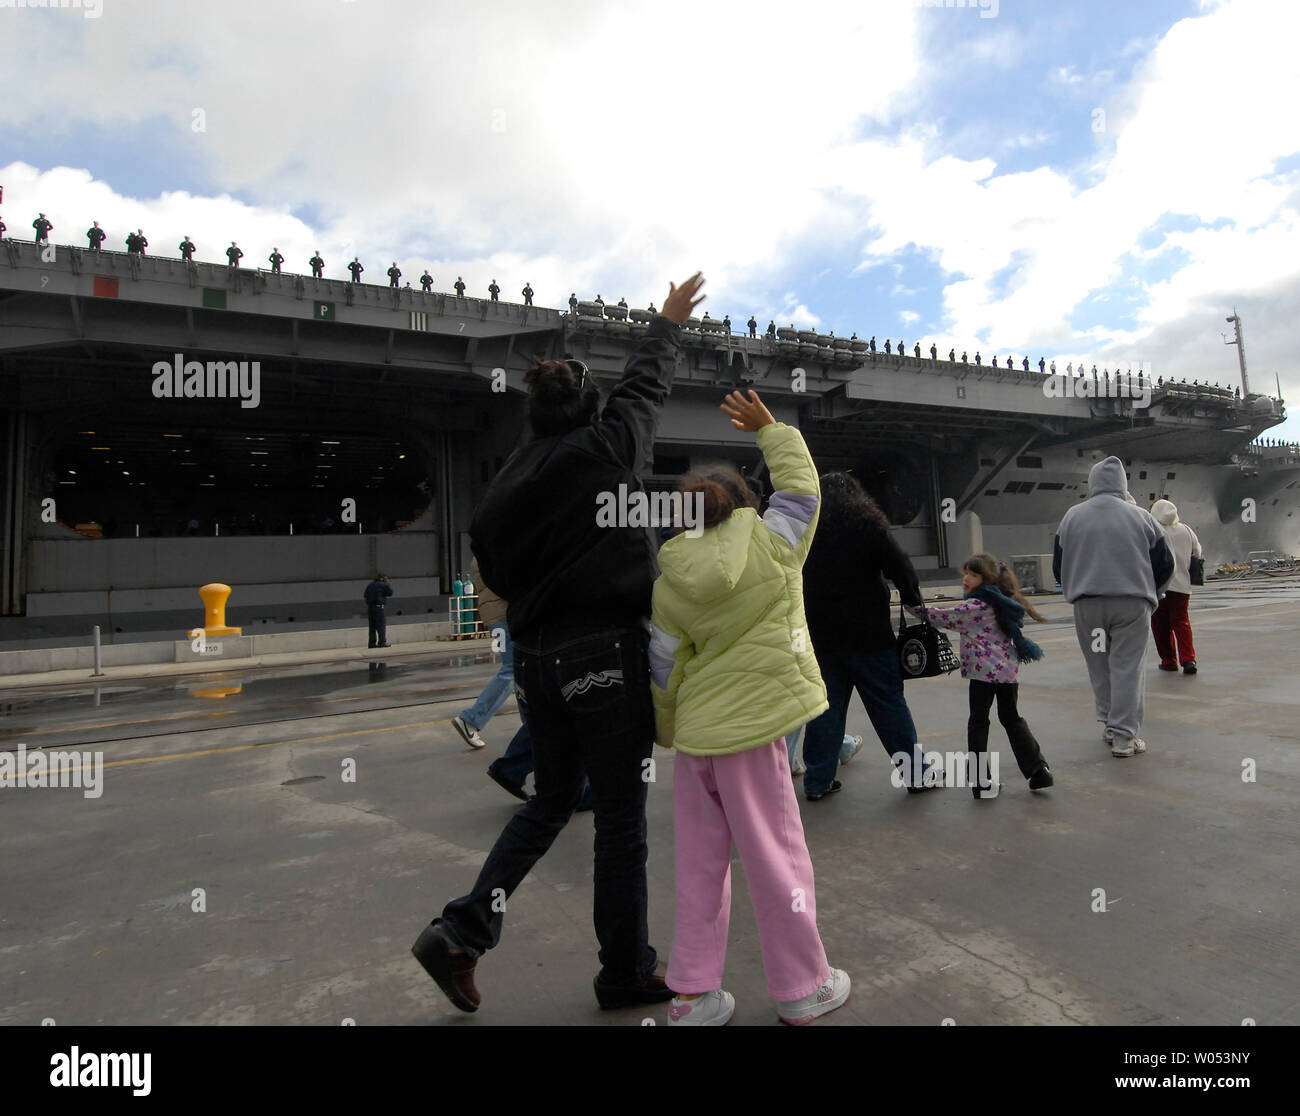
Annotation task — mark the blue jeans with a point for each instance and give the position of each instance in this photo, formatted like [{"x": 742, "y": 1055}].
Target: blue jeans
[
  {"x": 792, "y": 744},
  {"x": 879, "y": 682},
  {"x": 584, "y": 694},
  {"x": 517, "y": 764},
  {"x": 495, "y": 692}
]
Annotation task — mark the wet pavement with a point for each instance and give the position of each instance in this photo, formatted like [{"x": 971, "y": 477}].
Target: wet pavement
[{"x": 313, "y": 885}]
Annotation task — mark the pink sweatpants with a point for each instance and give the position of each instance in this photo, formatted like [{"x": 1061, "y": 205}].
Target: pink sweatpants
[{"x": 747, "y": 797}]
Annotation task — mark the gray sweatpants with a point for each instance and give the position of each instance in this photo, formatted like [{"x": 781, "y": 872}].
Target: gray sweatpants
[{"x": 1113, "y": 635}]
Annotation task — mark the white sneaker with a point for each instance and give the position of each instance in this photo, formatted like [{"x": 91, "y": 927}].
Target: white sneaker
[
  {"x": 1127, "y": 746},
  {"x": 799, "y": 768},
  {"x": 834, "y": 993},
  {"x": 468, "y": 733},
  {"x": 848, "y": 751},
  {"x": 713, "y": 1009}
]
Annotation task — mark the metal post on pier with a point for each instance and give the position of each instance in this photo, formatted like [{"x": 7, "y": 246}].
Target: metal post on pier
[{"x": 99, "y": 671}]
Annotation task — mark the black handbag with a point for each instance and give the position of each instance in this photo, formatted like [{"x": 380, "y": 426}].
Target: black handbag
[
  {"x": 923, "y": 650},
  {"x": 1196, "y": 571}
]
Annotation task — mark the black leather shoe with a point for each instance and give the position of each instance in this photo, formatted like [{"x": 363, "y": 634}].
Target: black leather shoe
[
  {"x": 453, "y": 972},
  {"x": 1189, "y": 667},
  {"x": 819, "y": 795},
  {"x": 505, "y": 784},
  {"x": 648, "y": 990},
  {"x": 1041, "y": 779}
]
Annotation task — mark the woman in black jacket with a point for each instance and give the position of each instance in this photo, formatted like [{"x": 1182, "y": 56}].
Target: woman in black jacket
[
  {"x": 580, "y": 593},
  {"x": 847, "y": 604}
]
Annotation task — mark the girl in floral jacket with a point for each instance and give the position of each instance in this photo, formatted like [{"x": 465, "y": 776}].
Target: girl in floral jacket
[{"x": 989, "y": 620}]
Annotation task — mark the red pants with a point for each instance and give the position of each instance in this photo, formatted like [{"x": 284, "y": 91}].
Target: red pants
[{"x": 1169, "y": 624}]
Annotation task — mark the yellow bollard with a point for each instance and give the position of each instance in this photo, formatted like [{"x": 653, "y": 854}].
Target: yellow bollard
[{"x": 214, "y": 603}]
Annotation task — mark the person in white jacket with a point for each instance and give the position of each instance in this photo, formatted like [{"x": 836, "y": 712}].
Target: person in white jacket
[{"x": 1169, "y": 623}]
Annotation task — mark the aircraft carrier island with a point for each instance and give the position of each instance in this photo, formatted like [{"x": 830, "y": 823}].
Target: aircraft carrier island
[{"x": 169, "y": 423}]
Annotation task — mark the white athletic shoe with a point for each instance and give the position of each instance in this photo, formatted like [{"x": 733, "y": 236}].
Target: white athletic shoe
[
  {"x": 799, "y": 768},
  {"x": 834, "y": 993},
  {"x": 1127, "y": 746},
  {"x": 713, "y": 1009},
  {"x": 848, "y": 751},
  {"x": 468, "y": 733}
]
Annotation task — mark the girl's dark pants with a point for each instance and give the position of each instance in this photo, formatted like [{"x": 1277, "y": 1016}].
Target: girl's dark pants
[{"x": 982, "y": 695}]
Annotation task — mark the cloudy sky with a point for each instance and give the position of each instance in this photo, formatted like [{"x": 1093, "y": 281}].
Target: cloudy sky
[{"x": 1050, "y": 177}]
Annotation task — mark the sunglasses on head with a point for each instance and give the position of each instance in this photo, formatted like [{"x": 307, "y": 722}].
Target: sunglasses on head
[{"x": 580, "y": 370}]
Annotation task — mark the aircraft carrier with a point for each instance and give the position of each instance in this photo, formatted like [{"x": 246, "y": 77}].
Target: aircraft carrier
[{"x": 382, "y": 414}]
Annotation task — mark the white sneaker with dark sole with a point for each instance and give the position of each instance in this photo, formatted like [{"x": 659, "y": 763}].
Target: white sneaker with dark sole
[
  {"x": 1128, "y": 746},
  {"x": 468, "y": 733},
  {"x": 713, "y": 1009},
  {"x": 834, "y": 993}
]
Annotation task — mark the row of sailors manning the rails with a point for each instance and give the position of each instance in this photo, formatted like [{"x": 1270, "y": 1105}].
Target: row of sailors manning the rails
[{"x": 136, "y": 244}]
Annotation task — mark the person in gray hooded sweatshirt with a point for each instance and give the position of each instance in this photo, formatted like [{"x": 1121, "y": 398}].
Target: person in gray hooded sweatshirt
[
  {"x": 1169, "y": 623},
  {"x": 1113, "y": 562}
]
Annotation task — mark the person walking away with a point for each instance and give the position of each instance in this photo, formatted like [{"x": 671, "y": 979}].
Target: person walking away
[
  {"x": 1113, "y": 562},
  {"x": 1169, "y": 623},
  {"x": 990, "y": 621},
  {"x": 852, "y": 633},
  {"x": 729, "y": 682},
  {"x": 377, "y": 593},
  {"x": 582, "y": 674},
  {"x": 492, "y": 613}
]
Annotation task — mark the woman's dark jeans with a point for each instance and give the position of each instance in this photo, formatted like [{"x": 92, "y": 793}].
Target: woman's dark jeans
[
  {"x": 879, "y": 682},
  {"x": 584, "y": 694}
]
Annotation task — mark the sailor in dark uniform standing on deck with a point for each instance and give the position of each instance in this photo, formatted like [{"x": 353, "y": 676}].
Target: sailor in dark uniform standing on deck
[
  {"x": 317, "y": 265},
  {"x": 42, "y": 225},
  {"x": 573, "y": 302},
  {"x": 459, "y": 287},
  {"x": 356, "y": 269},
  {"x": 393, "y": 274},
  {"x": 426, "y": 281},
  {"x": 187, "y": 248},
  {"x": 494, "y": 290},
  {"x": 233, "y": 255},
  {"x": 527, "y": 292},
  {"x": 377, "y": 592},
  {"x": 276, "y": 260},
  {"x": 96, "y": 236}
]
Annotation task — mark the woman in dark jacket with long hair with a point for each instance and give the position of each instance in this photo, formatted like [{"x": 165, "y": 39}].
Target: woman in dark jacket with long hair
[{"x": 847, "y": 604}]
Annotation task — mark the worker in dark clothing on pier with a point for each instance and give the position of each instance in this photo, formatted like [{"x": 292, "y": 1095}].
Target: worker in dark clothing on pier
[
  {"x": 887, "y": 343},
  {"x": 527, "y": 292},
  {"x": 233, "y": 255},
  {"x": 459, "y": 287},
  {"x": 917, "y": 350},
  {"x": 96, "y": 236},
  {"x": 426, "y": 281},
  {"x": 317, "y": 265},
  {"x": 494, "y": 290},
  {"x": 573, "y": 302},
  {"x": 393, "y": 275},
  {"x": 276, "y": 260},
  {"x": 377, "y": 592},
  {"x": 934, "y": 352},
  {"x": 187, "y": 248},
  {"x": 771, "y": 329},
  {"x": 753, "y": 326},
  {"x": 42, "y": 225},
  {"x": 356, "y": 269}
]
